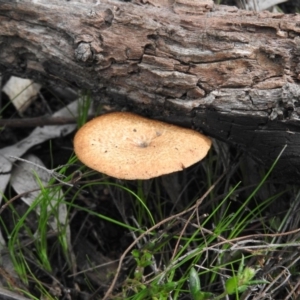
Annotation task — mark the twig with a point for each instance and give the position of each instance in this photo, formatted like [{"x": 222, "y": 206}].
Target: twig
[
  {"x": 293, "y": 291},
  {"x": 39, "y": 121}
]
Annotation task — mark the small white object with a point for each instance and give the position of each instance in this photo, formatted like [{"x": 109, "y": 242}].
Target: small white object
[
  {"x": 259, "y": 5},
  {"x": 21, "y": 92}
]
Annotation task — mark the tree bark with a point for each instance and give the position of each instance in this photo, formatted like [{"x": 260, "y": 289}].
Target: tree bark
[{"x": 232, "y": 74}]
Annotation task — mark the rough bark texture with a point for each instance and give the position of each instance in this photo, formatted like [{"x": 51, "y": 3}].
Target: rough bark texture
[{"x": 233, "y": 74}]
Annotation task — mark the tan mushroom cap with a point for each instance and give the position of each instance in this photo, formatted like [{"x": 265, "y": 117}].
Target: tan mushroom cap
[{"x": 127, "y": 146}]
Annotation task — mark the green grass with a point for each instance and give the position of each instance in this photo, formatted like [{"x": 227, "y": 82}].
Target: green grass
[
  {"x": 201, "y": 233},
  {"x": 195, "y": 252}
]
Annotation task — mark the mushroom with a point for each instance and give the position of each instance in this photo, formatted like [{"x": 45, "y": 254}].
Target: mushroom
[{"x": 128, "y": 146}]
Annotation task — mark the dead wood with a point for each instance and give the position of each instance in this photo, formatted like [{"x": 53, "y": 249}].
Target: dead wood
[{"x": 233, "y": 74}]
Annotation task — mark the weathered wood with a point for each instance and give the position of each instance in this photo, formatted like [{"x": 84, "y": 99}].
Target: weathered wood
[{"x": 233, "y": 74}]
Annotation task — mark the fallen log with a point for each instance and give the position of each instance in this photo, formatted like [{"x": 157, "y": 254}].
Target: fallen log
[{"x": 230, "y": 73}]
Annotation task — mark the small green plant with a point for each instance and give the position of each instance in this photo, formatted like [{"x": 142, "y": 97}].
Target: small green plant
[
  {"x": 143, "y": 259},
  {"x": 235, "y": 284},
  {"x": 141, "y": 289},
  {"x": 242, "y": 280}
]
